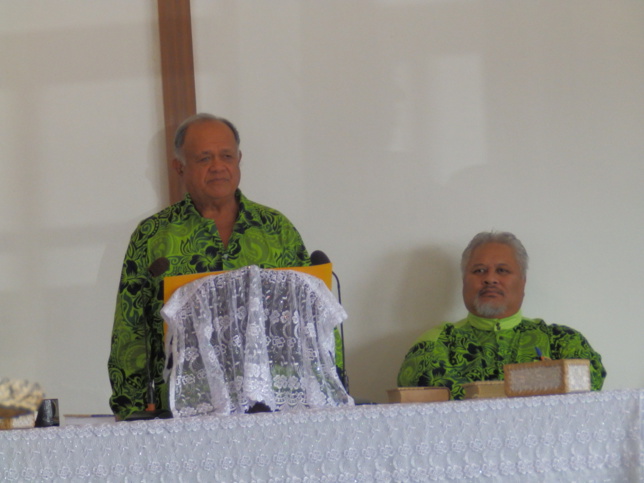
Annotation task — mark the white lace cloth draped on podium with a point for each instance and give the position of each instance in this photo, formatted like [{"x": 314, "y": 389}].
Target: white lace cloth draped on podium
[{"x": 252, "y": 336}]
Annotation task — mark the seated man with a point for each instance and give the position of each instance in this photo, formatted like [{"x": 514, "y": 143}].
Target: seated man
[
  {"x": 215, "y": 227},
  {"x": 495, "y": 332}
]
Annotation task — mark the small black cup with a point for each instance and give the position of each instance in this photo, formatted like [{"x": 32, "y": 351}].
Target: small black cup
[{"x": 47, "y": 414}]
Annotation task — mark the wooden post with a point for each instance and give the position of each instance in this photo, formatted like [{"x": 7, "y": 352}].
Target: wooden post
[{"x": 178, "y": 77}]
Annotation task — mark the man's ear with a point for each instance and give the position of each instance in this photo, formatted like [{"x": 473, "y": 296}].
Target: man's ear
[{"x": 178, "y": 166}]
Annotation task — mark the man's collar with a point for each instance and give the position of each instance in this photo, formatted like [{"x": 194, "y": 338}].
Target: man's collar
[
  {"x": 239, "y": 197},
  {"x": 506, "y": 323}
]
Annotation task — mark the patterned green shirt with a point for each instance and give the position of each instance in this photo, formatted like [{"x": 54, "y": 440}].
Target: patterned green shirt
[
  {"x": 261, "y": 236},
  {"x": 475, "y": 349}
]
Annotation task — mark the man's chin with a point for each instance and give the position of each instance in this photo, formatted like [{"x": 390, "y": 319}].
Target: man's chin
[{"x": 489, "y": 310}]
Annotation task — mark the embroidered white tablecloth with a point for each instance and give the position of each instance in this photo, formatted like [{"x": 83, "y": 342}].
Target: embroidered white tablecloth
[{"x": 576, "y": 437}]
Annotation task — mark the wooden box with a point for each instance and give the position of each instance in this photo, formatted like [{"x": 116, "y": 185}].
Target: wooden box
[
  {"x": 418, "y": 394},
  {"x": 547, "y": 377},
  {"x": 484, "y": 389}
]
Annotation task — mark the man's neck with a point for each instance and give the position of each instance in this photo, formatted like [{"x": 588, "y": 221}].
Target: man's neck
[
  {"x": 218, "y": 209},
  {"x": 223, "y": 212}
]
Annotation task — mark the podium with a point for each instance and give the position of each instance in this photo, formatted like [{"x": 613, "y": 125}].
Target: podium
[
  {"x": 252, "y": 337},
  {"x": 323, "y": 271}
]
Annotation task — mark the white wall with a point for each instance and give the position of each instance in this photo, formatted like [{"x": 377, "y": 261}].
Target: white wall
[
  {"x": 81, "y": 120},
  {"x": 390, "y": 133}
]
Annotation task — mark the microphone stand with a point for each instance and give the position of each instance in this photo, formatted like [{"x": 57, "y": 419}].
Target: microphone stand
[
  {"x": 318, "y": 257},
  {"x": 344, "y": 377}
]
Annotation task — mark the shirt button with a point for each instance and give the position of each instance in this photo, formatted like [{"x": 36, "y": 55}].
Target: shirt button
[{"x": 225, "y": 257}]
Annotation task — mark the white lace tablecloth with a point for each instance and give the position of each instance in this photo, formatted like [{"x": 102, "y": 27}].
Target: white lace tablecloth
[{"x": 576, "y": 437}]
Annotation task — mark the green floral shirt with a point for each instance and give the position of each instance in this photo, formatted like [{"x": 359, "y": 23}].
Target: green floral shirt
[
  {"x": 475, "y": 349},
  {"x": 261, "y": 236}
]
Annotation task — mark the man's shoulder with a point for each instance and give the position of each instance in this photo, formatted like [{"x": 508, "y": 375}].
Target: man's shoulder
[
  {"x": 178, "y": 212},
  {"x": 552, "y": 329},
  {"x": 253, "y": 211},
  {"x": 538, "y": 321},
  {"x": 553, "y": 326},
  {"x": 259, "y": 207},
  {"x": 181, "y": 209},
  {"x": 433, "y": 334}
]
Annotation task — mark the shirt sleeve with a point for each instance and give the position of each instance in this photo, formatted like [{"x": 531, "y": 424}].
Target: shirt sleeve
[
  {"x": 429, "y": 363},
  {"x": 131, "y": 339}
]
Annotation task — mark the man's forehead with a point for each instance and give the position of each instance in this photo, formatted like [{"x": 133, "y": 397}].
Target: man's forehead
[
  {"x": 210, "y": 130},
  {"x": 207, "y": 151},
  {"x": 493, "y": 253},
  {"x": 493, "y": 262}
]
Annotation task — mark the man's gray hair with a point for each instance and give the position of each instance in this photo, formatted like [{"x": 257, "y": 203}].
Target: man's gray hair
[
  {"x": 180, "y": 134},
  {"x": 504, "y": 237}
]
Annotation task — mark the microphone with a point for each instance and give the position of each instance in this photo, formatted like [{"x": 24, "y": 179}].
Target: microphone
[
  {"x": 318, "y": 257},
  {"x": 156, "y": 269},
  {"x": 159, "y": 267}
]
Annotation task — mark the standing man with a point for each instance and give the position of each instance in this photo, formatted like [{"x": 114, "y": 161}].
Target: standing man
[
  {"x": 495, "y": 332},
  {"x": 215, "y": 227}
]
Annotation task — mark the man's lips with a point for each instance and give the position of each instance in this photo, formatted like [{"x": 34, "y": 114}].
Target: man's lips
[{"x": 488, "y": 292}]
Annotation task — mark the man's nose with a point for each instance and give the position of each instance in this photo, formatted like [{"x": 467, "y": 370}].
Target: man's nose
[
  {"x": 216, "y": 163},
  {"x": 490, "y": 279}
]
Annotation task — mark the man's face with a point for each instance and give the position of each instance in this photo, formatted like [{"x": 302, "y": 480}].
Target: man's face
[
  {"x": 211, "y": 170},
  {"x": 493, "y": 286}
]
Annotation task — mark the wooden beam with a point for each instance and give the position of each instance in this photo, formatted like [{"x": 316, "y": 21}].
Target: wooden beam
[{"x": 178, "y": 77}]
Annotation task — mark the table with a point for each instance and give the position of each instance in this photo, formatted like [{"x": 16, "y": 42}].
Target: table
[{"x": 576, "y": 437}]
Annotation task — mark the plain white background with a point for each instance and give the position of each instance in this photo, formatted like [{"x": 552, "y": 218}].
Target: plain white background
[{"x": 389, "y": 132}]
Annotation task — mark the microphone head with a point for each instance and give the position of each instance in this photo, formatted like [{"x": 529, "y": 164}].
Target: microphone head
[
  {"x": 159, "y": 266},
  {"x": 318, "y": 257}
]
